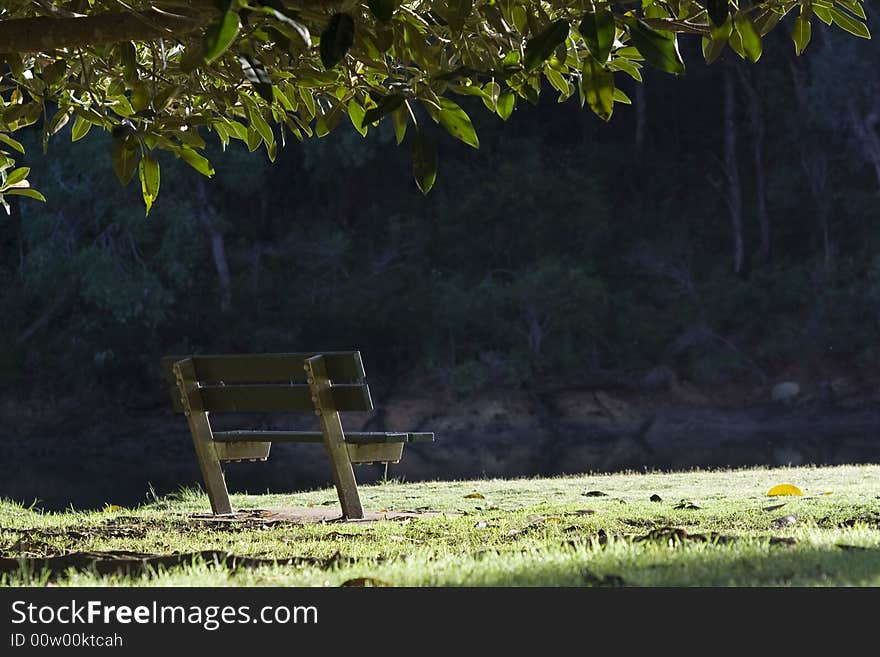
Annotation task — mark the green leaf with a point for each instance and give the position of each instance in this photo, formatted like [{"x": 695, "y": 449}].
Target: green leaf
[
  {"x": 491, "y": 91},
  {"x": 718, "y": 11},
  {"x": 300, "y": 30},
  {"x": 539, "y": 48},
  {"x": 16, "y": 176},
  {"x": 220, "y": 35},
  {"x": 140, "y": 96},
  {"x": 356, "y": 114},
  {"x": 597, "y": 84},
  {"x": 659, "y": 50},
  {"x": 259, "y": 123},
  {"x": 598, "y": 30},
  {"x": 26, "y": 191},
  {"x": 557, "y": 80},
  {"x": 801, "y": 32},
  {"x": 459, "y": 10},
  {"x": 196, "y": 161},
  {"x": 80, "y": 128},
  {"x": 124, "y": 161},
  {"x": 506, "y": 104},
  {"x": 766, "y": 21},
  {"x": 382, "y": 9},
  {"x": 712, "y": 48},
  {"x": 257, "y": 75},
  {"x": 749, "y": 37},
  {"x": 715, "y": 42},
  {"x": 628, "y": 67},
  {"x": 336, "y": 39},
  {"x": 128, "y": 57},
  {"x": 823, "y": 14},
  {"x": 400, "y": 118},
  {"x": 148, "y": 171},
  {"x": 855, "y": 7},
  {"x": 457, "y": 122},
  {"x": 424, "y": 161},
  {"x": 9, "y": 141},
  {"x": 620, "y": 97},
  {"x": 850, "y": 24},
  {"x": 253, "y": 139},
  {"x": 385, "y": 105}
]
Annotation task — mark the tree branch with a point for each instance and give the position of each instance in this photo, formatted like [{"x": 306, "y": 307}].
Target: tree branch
[{"x": 43, "y": 33}]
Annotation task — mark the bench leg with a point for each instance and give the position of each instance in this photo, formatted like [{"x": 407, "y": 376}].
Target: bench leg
[
  {"x": 334, "y": 439},
  {"x": 209, "y": 464},
  {"x": 203, "y": 439}
]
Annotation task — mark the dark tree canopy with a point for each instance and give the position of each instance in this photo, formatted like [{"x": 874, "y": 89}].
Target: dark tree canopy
[{"x": 165, "y": 74}]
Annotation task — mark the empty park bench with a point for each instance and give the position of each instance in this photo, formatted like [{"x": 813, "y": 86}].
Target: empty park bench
[{"x": 325, "y": 383}]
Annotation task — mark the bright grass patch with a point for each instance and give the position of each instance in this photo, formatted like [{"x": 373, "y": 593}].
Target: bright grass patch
[{"x": 707, "y": 529}]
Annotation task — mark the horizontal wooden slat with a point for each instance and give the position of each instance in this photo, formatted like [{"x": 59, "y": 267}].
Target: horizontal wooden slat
[
  {"x": 273, "y": 436},
  {"x": 243, "y": 450},
  {"x": 353, "y": 437},
  {"x": 267, "y": 398},
  {"x": 421, "y": 437},
  {"x": 376, "y": 452},
  {"x": 268, "y": 368}
]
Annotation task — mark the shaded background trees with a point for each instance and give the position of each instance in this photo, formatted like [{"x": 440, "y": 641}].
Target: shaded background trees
[{"x": 744, "y": 239}]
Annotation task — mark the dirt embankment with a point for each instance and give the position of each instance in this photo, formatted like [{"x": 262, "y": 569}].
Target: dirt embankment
[{"x": 63, "y": 455}]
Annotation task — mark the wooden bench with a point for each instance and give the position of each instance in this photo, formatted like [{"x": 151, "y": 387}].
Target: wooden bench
[{"x": 323, "y": 383}]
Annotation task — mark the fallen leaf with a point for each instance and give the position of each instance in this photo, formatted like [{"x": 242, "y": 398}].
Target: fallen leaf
[
  {"x": 533, "y": 518},
  {"x": 785, "y": 521},
  {"x": 784, "y": 489},
  {"x": 787, "y": 541},
  {"x": 365, "y": 581},
  {"x": 685, "y": 504},
  {"x": 828, "y": 492},
  {"x": 773, "y": 507},
  {"x": 594, "y": 493},
  {"x": 656, "y": 498},
  {"x": 482, "y": 524},
  {"x": 475, "y": 496},
  {"x": 669, "y": 535},
  {"x": 584, "y": 512},
  {"x": 109, "y": 508}
]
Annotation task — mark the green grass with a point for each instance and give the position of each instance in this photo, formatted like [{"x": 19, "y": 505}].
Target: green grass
[{"x": 524, "y": 532}]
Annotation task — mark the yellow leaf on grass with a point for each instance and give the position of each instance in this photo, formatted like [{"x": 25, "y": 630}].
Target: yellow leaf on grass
[
  {"x": 475, "y": 496},
  {"x": 112, "y": 507},
  {"x": 784, "y": 489}
]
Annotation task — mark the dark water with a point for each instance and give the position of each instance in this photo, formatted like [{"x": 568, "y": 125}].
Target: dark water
[{"x": 105, "y": 465}]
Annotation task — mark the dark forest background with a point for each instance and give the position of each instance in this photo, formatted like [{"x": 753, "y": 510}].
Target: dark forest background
[{"x": 725, "y": 226}]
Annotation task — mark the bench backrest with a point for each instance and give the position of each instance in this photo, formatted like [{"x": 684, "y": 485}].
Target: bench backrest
[{"x": 261, "y": 383}]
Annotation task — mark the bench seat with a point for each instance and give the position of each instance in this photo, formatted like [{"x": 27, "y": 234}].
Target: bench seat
[{"x": 355, "y": 437}]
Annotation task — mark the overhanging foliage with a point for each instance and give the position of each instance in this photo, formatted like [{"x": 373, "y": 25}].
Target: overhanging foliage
[{"x": 164, "y": 75}]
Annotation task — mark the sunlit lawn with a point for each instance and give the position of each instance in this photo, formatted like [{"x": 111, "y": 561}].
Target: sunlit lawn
[{"x": 708, "y": 529}]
